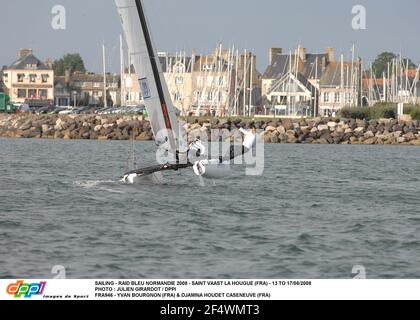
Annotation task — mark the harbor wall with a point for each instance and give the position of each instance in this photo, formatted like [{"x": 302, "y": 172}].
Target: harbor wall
[{"x": 118, "y": 127}]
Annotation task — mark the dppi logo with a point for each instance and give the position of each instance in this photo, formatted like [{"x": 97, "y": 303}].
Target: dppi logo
[{"x": 27, "y": 290}]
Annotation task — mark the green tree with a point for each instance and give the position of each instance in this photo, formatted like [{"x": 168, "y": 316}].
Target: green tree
[
  {"x": 72, "y": 62},
  {"x": 381, "y": 63}
]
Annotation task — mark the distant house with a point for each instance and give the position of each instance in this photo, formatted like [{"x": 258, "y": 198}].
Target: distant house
[
  {"x": 88, "y": 89},
  {"x": 131, "y": 89},
  {"x": 339, "y": 87},
  {"x": 290, "y": 83},
  {"x": 28, "y": 80},
  {"x": 293, "y": 94},
  {"x": 62, "y": 91},
  {"x": 177, "y": 71}
]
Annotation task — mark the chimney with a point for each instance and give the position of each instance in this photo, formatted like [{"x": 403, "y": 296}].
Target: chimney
[
  {"x": 302, "y": 54},
  {"x": 49, "y": 62},
  {"x": 67, "y": 77},
  {"x": 274, "y": 52},
  {"x": 24, "y": 52},
  {"x": 330, "y": 52}
]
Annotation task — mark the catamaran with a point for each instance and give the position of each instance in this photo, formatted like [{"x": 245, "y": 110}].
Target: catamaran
[{"x": 175, "y": 153}]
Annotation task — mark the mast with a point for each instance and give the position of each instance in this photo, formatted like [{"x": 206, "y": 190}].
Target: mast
[
  {"x": 342, "y": 79},
  {"x": 316, "y": 87},
  {"x": 245, "y": 81},
  {"x": 122, "y": 78},
  {"x": 251, "y": 84},
  {"x": 352, "y": 74},
  {"x": 128, "y": 87},
  {"x": 384, "y": 87},
  {"x": 153, "y": 61},
  {"x": 156, "y": 96},
  {"x": 104, "y": 73},
  {"x": 236, "y": 84},
  {"x": 387, "y": 83}
]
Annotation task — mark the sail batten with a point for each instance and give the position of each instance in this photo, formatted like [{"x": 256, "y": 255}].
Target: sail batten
[{"x": 152, "y": 83}]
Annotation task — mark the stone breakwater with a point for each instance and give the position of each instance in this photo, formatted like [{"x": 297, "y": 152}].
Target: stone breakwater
[{"x": 118, "y": 127}]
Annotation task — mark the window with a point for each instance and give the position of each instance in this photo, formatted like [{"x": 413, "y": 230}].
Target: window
[
  {"x": 179, "y": 80},
  {"x": 178, "y": 96},
  {"x": 337, "y": 97},
  {"x": 220, "y": 96},
  {"x": 44, "y": 78},
  {"x": 21, "y": 93},
  {"x": 43, "y": 94},
  {"x": 326, "y": 97},
  {"x": 32, "y": 93},
  {"x": 96, "y": 84},
  {"x": 210, "y": 96},
  {"x": 20, "y": 77},
  {"x": 31, "y": 66},
  {"x": 207, "y": 67},
  {"x": 179, "y": 69},
  {"x": 5, "y": 76},
  {"x": 32, "y": 78}
]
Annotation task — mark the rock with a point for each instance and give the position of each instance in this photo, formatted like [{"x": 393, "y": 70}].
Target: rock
[
  {"x": 98, "y": 128},
  {"x": 409, "y": 136},
  {"x": 338, "y": 129},
  {"x": 323, "y": 127},
  {"x": 58, "y": 125},
  {"x": 397, "y": 134},
  {"x": 304, "y": 129},
  {"x": 275, "y": 139},
  {"x": 353, "y": 140},
  {"x": 287, "y": 124},
  {"x": 327, "y": 137},
  {"x": 359, "y": 130},
  {"x": 281, "y": 129},
  {"x": 45, "y": 128},
  {"x": 369, "y": 134},
  {"x": 406, "y": 117},
  {"x": 332, "y": 124},
  {"x": 122, "y": 124},
  {"x": 26, "y": 125},
  {"x": 270, "y": 128},
  {"x": 371, "y": 140},
  {"x": 195, "y": 126},
  {"x": 415, "y": 142}
]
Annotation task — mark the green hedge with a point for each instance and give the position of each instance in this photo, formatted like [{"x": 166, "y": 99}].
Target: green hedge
[
  {"x": 379, "y": 111},
  {"x": 415, "y": 113}
]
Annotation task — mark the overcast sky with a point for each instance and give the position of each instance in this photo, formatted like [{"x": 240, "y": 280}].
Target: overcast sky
[{"x": 201, "y": 24}]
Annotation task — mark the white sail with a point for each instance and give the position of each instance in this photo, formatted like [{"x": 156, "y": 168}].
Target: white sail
[{"x": 153, "y": 86}]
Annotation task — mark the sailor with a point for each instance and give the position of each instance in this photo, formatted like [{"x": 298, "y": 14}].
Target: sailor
[{"x": 219, "y": 167}]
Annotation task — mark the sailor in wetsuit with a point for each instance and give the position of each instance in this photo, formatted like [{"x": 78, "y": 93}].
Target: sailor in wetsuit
[{"x": 219, "y": 167}]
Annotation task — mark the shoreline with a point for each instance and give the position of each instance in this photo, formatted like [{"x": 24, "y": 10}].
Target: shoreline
[{"x": 126, "y": 127}]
